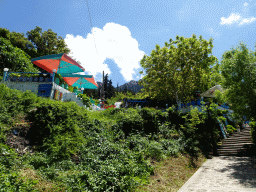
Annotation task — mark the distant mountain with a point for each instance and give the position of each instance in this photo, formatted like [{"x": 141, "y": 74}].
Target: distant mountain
[
  {"x": 99, "y": 84},
  {"x": 132, "y": 86}
]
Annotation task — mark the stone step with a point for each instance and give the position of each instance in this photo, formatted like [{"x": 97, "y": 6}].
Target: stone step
[
  {"x": 244, "y": 131},
  {"x": 236, "y": 139},
  {"x": 233, "y": 146},
  {"x": 236, "y": 151},
  {"x": 237, "y": 154},
  {"x": 240, "y": 135},
  {"x": 240, "y": 140}
]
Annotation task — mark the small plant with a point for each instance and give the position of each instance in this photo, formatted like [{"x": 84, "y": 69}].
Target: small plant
[
  {"x": 253, "y": 131},
  {"x": 230, "y": 129},
  {"x": 85, "y": 99}
]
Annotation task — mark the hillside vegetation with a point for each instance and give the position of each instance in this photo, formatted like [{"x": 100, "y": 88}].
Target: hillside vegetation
[{"x": 74, "y": 149}]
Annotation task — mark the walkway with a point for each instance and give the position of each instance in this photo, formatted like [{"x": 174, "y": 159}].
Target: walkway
[{"x": 224, "y": 174}]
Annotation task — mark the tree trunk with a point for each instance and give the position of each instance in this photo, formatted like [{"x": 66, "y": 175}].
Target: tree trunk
[{"x": 178, "y": 102}]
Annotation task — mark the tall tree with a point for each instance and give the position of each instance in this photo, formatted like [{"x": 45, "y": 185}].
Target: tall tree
[
  {"x": 14, "y": 58},
  {"x": 108, "y": 87},
  {"x": 47, "y": 42},
  {"x": 177, "y": 72},
  {"x": 239, "y": 79},
  {"x": 19, "y": 40}
]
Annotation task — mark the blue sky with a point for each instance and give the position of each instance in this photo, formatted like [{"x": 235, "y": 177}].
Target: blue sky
[{"x": 123, "y": 31}]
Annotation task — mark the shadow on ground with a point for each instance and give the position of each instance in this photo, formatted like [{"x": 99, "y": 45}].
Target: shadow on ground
[{"x": 243, "y": 169}]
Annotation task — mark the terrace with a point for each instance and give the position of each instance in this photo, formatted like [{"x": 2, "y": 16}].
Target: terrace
[{"x": 42, "y": 84}]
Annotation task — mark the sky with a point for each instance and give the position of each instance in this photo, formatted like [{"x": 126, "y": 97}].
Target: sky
[{"x": 113, "y": 35}]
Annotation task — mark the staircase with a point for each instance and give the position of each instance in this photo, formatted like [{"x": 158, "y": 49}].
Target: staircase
[{"x": 238, "y": 144}]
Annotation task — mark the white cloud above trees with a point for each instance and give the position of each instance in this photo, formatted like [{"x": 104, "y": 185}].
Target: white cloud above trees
[{"x": 114, "y": 42}]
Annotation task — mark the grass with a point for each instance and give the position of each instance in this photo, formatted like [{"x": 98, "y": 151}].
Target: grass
[
  {"x": 42, "y": 185},
  {"x": 171, "y": 174}
]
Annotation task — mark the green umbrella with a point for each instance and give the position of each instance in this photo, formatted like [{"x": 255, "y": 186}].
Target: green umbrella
[{"x": 85, "y": 81}]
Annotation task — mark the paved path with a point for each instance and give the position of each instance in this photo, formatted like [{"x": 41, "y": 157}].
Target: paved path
[{"x": 224, "y": 174}]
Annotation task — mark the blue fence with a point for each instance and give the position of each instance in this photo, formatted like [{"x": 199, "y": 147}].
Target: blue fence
[{"x": 40, "y": 77}]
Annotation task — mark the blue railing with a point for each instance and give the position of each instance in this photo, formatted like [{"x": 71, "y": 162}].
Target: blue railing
[{"x": 41, "y": 77}]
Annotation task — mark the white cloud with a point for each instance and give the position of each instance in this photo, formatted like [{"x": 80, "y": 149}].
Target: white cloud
[
  {"x": 244, "y": 21},
  {"x": 246, "y": 4},
  {"x": 115, "y": 42},
  {"x": 230, "y": 20},
  {"x": 236, "y": 18}
]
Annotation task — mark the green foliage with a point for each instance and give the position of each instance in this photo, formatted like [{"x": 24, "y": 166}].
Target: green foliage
[
  {"x": 85, "y": 99},
  {"x": 221, "y": 118},
  {"x": 221, "y": 97},
  {"x": 151, "y": 118},
  {"x": 108, "y": 88},
  {"x": 177, "y": 72},
  {"x": 14, "y": 58},
  {"x": 47, "y": 42},
  {"x": 105, "y": 150},
  {"x": 230, "y": 129},
  {"x": 253, "y": 131},
  {"x": 3, "y": 132},
  {"x": 239, "y": 78},
  {"x": 19, "y": 40},
  {"x": 130, "y": 121},
  {"x": 14, "y": 103},
  {"x": 55, "y": 127},
  {"x": 10, "y": 180},
  {"x": 61, "y": 80}
]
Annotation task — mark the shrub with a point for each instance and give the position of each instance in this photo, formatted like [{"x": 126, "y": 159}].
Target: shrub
[
  {"x": 151, "y": 119},
  {"x": 253, "y": 131},
  {"x": 154, "y": 150},
  {"x": 55, "y": 127},
  {"x": 3, "y": 132},
  {"x": 230, "y": 129},
  {"x": 130, "y": 121},
  {"x": 172, "y": 147},
  {"x": 85, "y": 99}
]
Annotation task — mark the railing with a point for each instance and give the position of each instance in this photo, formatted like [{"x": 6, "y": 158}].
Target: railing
[{"x": 28, "y": 77}]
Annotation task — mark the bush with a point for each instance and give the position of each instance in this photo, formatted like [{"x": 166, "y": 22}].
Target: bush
[
  {"x": 230, "y": 129},
  {"x": 154, "y": 150},
  {"x": 130, "y": 122},
  {"x": 55, "y": 127},
  {"x": 15, "y": 102},
  {"x": 85, "y": 99},
  {"x": 253, "y": 131},
  {"x": 151, "y": 119}
]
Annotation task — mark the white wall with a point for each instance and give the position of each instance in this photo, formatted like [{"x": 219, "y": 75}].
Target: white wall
[
  {"x": 23, "y": 86},
  {"x": 33, "y": 86},
  {"x": 67, "y": 95}
]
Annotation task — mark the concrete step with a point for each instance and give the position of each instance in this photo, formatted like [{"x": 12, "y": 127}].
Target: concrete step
[
  {"x": 237, "y": 139},
  {"x": 240, "y": 135},
  {"x": 244, "y": 131},
  {"x": 234, "y": 141},
  {"x": 235, "y": 146},
  {"x": 241, "y": 154}
]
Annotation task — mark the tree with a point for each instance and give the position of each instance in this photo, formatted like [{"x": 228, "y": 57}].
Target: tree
[
  {"x": 14, "y": 58},
  {"x": 108, "y": 88},
  {"x": 37, "y": 44},
  {"x": 239, "y": 79},
  {"x": 215, "y": 76},
  {"x": 47, "y": 42},
  {"x": 19, "y": 40},
  {"x": 178, "y": 72}
]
